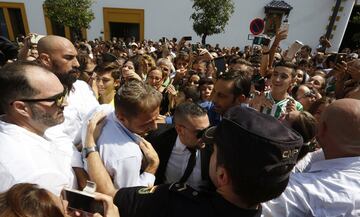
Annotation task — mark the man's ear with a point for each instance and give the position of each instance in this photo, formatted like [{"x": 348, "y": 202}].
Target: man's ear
[
  {"x": 21, "y": 109},
  {"x": 179, "y": 129},
  {"x": 222, "y": 176},
  {"x": 117, "y": 83},
  {"x": 120, "y": 116},
  {"x": 240, "y": 99},
  {"x": 45, "y": 59}
]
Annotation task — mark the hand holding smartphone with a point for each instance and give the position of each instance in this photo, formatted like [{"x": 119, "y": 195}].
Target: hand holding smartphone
[
  {"x": 294, "y": 48},
  {"x": 82, "y": 202}
]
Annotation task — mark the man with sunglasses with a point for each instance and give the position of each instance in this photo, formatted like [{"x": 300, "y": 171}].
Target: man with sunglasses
[
  {"x": 183, "y": 157},
  {"x": 33, "y": 100}
]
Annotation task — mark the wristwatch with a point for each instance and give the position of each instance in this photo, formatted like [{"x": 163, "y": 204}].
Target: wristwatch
[{"x": 86, "y": 151}]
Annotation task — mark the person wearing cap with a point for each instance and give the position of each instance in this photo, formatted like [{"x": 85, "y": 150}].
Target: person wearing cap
[
  {"x": 331, "y": 186},
  {"x": 251, "y": 162},
  {"x": 183, "y": 156}
]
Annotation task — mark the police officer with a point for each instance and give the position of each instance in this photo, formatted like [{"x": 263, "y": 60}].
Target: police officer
[{"x": 251, "y": 162}]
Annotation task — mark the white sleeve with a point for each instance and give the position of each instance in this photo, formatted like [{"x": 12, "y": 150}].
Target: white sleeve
[
  {"x": 292, "y": 202},
  {"x": 147, "y": 179},
  {"x": 304, "y": 164},
  {"x": 7, "y": 180},
  {"x": 76, "y": 160}
]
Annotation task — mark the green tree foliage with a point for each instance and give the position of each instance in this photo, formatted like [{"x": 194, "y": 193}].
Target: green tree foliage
[
  {"x": 211, "y": 16},
  {"x": 75, "y": 14}
]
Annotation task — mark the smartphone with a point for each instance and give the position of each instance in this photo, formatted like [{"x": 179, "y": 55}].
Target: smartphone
[
  {"x": 340, "y": 57},
  {"x": 35, "y": 38},
  {"x": 220, "y": 64},
  {"x": 261, "y": 40},
  {"x": 82, "y": 202},
  {"x": 294, "y": 48},
  {"x": 187, "y": 38}
]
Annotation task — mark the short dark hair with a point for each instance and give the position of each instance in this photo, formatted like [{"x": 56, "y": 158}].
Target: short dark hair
[
  {"x": 289, "y": 65},
  {"x": 135, "y": 97},
  {"x": 236, "y": 59},
  {"x": 206, "y": 80},
  {"x": 112, "y": 67},
  {"x": 242, "y": 81},
  {"x": 188, "y": 109},
  {"x": 14, "y": 83},
  {"x": 191, "y": 93}
]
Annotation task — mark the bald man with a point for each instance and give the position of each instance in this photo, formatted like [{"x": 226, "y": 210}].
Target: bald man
[
  {"x": 58, "y": 55},
  {"x": 331, "y": 187}
]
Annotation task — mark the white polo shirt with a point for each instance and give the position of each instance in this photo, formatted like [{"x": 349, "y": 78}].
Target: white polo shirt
[{"x": 27, "y": 157}]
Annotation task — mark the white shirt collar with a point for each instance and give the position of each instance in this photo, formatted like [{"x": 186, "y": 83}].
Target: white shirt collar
[
  {"x": 179, "y": 146},
  {"x": 134, "y": 137}
]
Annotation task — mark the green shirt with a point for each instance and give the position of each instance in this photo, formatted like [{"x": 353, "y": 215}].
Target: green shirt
[{"x": 279, "y": 107}]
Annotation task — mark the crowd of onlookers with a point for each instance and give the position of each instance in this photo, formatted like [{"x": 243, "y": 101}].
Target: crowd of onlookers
[{"x": 159, "y": 100}]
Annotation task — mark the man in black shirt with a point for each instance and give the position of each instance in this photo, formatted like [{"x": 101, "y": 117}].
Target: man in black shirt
[{"x": 252, "y": 159}]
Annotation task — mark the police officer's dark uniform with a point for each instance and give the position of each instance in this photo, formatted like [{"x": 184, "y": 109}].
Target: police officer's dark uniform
[
  {"x": 180, "y": 200},
  {"x": 176, "y": 200}
]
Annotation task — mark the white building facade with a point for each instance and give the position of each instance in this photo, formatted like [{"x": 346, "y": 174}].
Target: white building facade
[{"x": 155, "y": 19}]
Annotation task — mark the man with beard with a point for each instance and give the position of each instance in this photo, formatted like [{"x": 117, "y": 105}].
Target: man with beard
[
  {"x": 58, "y": 55},
  {"x": 232, "y": 88},
  {"x": 33, "y": 100}
]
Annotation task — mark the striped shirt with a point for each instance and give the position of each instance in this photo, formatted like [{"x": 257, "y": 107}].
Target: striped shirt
[{"x": 279, "y": 107}]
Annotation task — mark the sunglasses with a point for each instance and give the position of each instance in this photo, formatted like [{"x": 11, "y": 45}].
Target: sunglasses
[
  {"x": 199, "y": 133},
  {"x": 58, "y": 98}
]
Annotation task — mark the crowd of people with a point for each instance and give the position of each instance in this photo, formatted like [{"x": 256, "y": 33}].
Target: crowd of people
[{"x": 175, "y": 128}]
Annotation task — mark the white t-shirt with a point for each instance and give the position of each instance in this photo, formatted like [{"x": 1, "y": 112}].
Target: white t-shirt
[{"x": 28, "y": 157}]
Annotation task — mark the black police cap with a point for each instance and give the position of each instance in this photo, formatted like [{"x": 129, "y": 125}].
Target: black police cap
[{"x": 262, "y": 143}]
